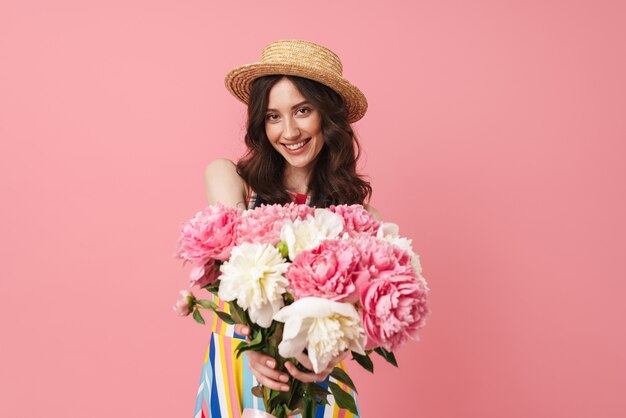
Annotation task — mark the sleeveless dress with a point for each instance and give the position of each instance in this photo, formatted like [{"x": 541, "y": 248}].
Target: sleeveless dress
[{"x": 226, "y": 381}]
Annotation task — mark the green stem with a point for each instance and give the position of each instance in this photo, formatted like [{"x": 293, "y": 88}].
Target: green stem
[
  {"x": 295, "y": 385},
  {"x": 266, "y": 396}
]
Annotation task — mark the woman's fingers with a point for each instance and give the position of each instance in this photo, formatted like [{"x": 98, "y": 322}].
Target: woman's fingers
[
  {"x": 242, "y": 329},
  {"x": 303, "y": 376},
  {"x": 268, "y": 382},
  {"x": 262, "y": 367},
  {"x": 338, "y": 360},
  {"x": 313, "y": 377},
  {"x": 305, "y": 361}
]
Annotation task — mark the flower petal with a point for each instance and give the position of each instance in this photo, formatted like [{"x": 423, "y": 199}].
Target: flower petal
[
  {"x": 262, "y": 315},
  {"x": 294, "y": 337}
]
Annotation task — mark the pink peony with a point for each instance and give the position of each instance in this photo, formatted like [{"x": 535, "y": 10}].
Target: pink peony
[
  {"x": 204, "y": 274},
  {"x": 356, "y": 219},
  {"x": 184, "y": 305},
  {"x": 210, "y": 234},
  {"x": 297, "y": 211},
  {"x": 329, "y": 271},
  {"x": 380, "y": 257},
  {"x": 394, "y": 309},
  {"x": 263, "y": 224}
]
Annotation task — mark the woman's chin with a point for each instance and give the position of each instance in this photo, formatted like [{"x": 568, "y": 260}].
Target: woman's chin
[
  {"x": 301, "y": 161},
  {"x": 298, "y": 162}
]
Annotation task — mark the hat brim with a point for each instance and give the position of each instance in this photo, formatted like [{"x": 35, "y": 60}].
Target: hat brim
[{"x": 239, "y": 82}]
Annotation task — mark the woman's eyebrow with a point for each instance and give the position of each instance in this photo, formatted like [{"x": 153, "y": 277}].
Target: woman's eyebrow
[{"x": 292, "y": 107}]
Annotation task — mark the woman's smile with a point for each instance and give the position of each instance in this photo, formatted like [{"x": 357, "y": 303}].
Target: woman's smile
[{"x": 297, "y": 148}]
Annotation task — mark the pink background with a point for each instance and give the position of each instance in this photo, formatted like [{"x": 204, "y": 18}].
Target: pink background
[{"x": 495, "y": 137}]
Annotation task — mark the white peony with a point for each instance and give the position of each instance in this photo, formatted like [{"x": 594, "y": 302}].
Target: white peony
[
  {"x": 390, "y": 232},
  {"x": 324, "y": 327},
  {"x": 254, "y": 276},
  {"x": 302, "y": 235}
]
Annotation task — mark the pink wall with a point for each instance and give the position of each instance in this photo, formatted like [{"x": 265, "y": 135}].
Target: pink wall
[{"x": 495, "y": 137}]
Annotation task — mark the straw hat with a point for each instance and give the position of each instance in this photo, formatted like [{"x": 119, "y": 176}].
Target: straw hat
[{"x": 303, "y": 59}]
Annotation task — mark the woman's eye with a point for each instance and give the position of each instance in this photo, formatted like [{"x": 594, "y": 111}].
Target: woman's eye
[
  {"x": 304, "y": 110},
  {"x": 271, "y": 117}
]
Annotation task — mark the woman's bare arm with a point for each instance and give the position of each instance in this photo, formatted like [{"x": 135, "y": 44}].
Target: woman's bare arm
[{"x": 223, "y": 185}]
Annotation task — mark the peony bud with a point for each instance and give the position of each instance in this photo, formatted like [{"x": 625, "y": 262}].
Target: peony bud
[
  {"x": 283, "y": 249},
  {"x": 184, "y": 306}
]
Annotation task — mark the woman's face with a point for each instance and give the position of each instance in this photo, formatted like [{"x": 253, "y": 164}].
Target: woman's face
[{"x": 293, "y": 125}]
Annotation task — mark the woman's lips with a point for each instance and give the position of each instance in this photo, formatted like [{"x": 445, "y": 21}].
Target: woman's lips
[{"x": 297, "y": 150}]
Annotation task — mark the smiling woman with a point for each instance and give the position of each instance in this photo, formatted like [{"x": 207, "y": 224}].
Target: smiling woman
[
  {"x": 300, "y": 148},
  {"x": 287, "y": 111}
]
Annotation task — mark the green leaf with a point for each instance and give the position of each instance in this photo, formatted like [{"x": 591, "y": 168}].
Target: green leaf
[
  {"x": 243, "y": 346},
  {"x": 364, "y": 361},
  {"x": 323, "y": 401},
  {"x": 342, "y": 376},
  {"x": 316, "y": 389},
  {"x": 255, "y": 344},
  {"x": 237, "y": 313},
  {"x": 213, "y": 287},
  {"x": 196, "y": 315},
  {"x": 387, "y": 355},
  {"x": 279, "y": 412},
  {"x": 274, "y": 394},
  {"x": 206, "y": 304},
  {"x": 225, "y": 317},
  {"x": 317, "y": 392},
  {"x": 242, "y": 349},
  {"x": 257, "y": 339},
  {"x": 343, "y": 398}
]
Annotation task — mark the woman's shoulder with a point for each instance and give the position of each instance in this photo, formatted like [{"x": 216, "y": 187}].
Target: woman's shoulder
[
  {"x": 376, "y": 214},
  {"x": 223, "y": 184},
  {"x": 222, "y": 164}
]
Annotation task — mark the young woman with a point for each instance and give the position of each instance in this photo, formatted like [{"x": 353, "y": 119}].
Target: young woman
[{"x": 301, "y": 148}]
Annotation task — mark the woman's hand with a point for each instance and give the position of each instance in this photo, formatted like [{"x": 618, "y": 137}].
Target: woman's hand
[
  {"x": 313, "y": 377},
  {"x": 262, "y": 366}
]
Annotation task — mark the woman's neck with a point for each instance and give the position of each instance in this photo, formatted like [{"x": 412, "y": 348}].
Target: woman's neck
[{"x": 296, "y": 179}]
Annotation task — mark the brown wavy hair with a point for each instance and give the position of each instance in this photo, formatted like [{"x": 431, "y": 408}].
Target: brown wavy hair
[{"x": 333, "y": 179}]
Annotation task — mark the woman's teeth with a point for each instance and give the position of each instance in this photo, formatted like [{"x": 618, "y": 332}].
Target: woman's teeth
[{"x": 297, "y": 146}]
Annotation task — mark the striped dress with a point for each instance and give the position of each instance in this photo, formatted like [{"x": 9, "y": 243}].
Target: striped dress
[{"x": 226, "y": 381}]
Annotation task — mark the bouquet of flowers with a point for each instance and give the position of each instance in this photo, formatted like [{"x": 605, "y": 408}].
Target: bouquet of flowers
[{"x": 318, "y": 281}]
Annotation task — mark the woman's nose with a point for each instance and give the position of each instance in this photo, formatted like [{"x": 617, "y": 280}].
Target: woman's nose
[{"x": 291, "y": 130}]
